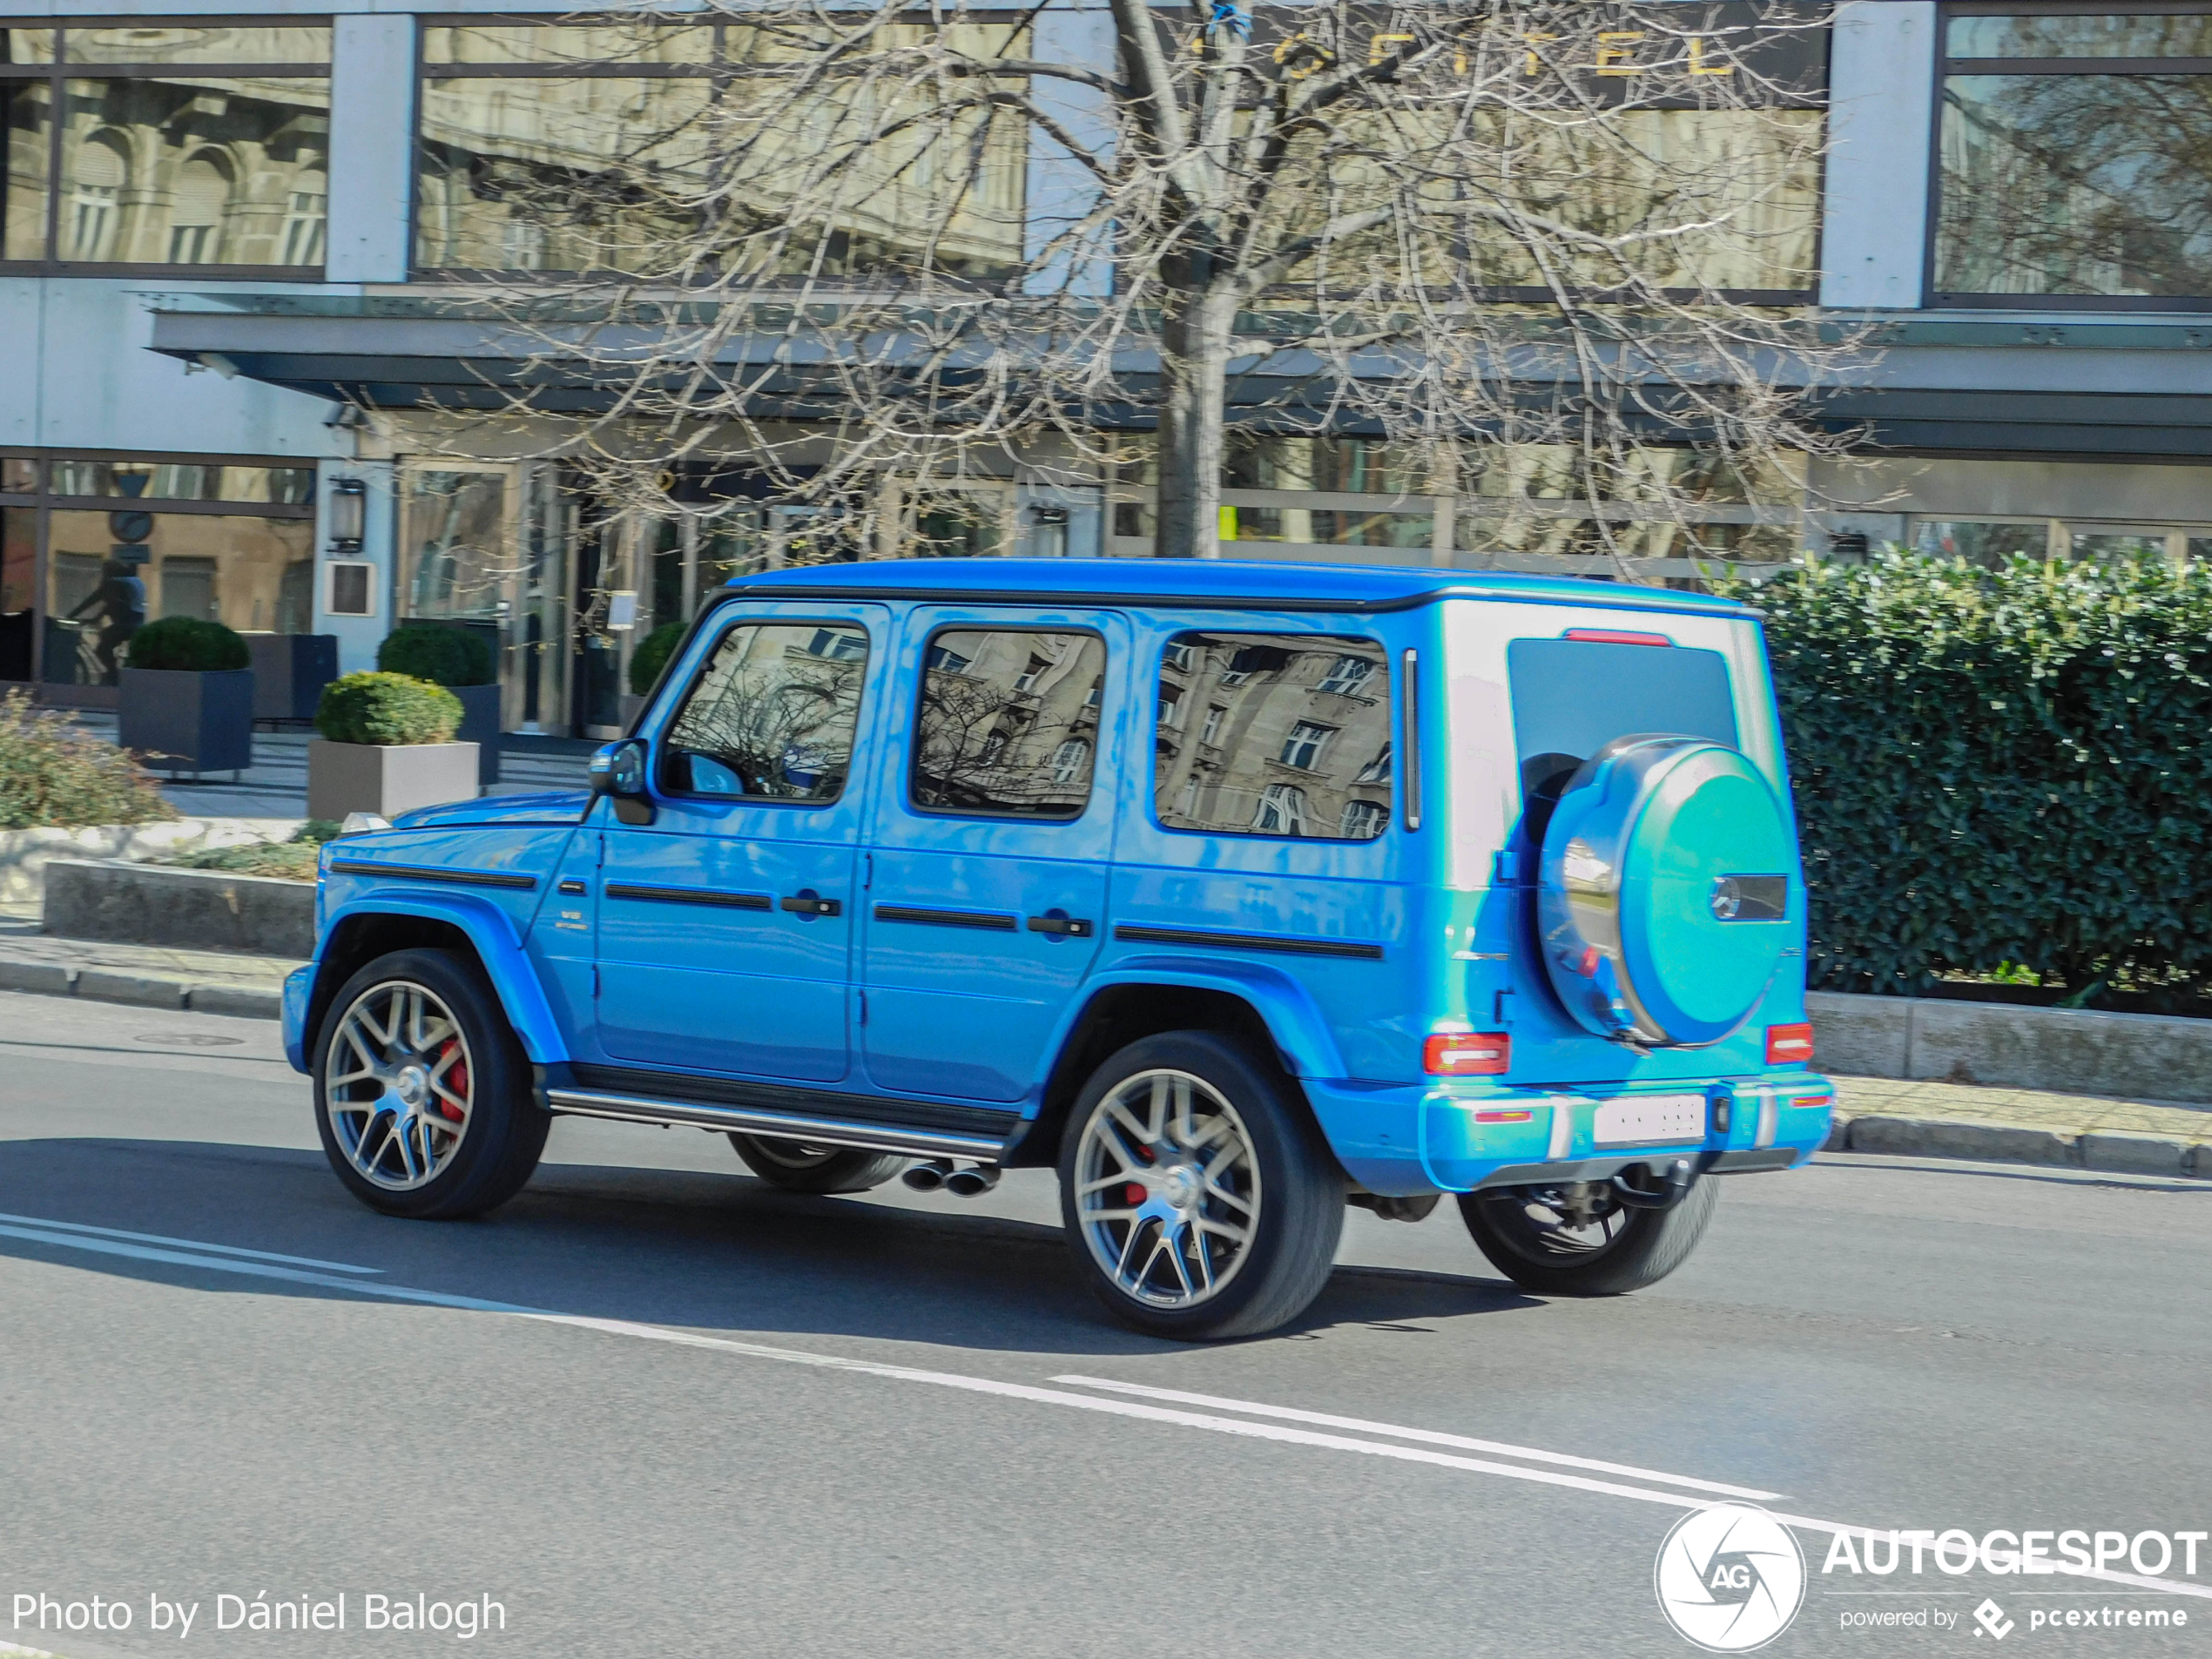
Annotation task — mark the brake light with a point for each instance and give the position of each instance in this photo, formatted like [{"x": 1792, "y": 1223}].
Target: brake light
[
  {"x": 1503, "y": 1117},
  {"x": 1616, "y": 636},
  {"x": 1466, "y": 1054},
  {"x": 1788, "y": 1045}
]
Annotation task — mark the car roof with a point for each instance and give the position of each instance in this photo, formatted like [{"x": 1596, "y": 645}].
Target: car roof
[{"x": 1242, "y": 584}]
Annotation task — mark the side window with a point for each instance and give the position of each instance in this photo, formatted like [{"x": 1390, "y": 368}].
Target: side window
[
  {"x": 1007, "y": 723},
  {"x": 1294, "y": 739},
  {"x": 772, "y": 716}
]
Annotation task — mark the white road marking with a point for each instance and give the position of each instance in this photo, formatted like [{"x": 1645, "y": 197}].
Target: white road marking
[
  {"x": 184, "y": 1244},
  {"x": 1243, "y": 1428},
  {"x": 1291, "y": 1414}
]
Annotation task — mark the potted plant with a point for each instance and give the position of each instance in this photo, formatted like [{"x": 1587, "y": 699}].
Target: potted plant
[
  {"x": 460, "y": 659},
  {"x": 387, "y": 747},
  {"x": 187, "y": 703},
  {"x": 646, "y": 663}
]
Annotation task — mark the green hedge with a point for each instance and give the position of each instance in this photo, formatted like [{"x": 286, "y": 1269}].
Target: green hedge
[
  {"x": 387, "y": 710},
  {"x": 651, "y": 656},
  {"x": 438, "y": 652},
  {"x": 1998, "y": 771},
  {"x": 188, "y": 642}
]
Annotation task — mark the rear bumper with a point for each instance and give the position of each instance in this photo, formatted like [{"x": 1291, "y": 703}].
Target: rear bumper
[{"x": 1454, "y": 1138}]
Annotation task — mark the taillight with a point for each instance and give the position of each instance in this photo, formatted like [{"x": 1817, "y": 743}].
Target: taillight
[
  {"x": 1465, "y": 1053},
  {"x": 1788, "y": 1045}
]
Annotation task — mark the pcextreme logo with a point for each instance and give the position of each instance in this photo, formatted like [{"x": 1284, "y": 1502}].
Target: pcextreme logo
[{"x": 1729, "y": 1578}]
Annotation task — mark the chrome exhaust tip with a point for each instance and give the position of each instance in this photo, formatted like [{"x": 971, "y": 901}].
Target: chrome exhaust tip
[
  {"x": 968, "y": 1184},
  {"x": 928, "y": 1177}
]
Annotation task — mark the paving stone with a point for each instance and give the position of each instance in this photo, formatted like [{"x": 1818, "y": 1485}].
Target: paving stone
[
  {"x": 241, "y": 1001},
  {"x": 2121, "y": 1154},
  {"x": 44, "y": 979},
  {"x": 1929, "y": 1137},
  {"x": 142, "y": 990}
]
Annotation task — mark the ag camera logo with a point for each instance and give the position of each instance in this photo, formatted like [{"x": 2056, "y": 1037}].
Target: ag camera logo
[{"x": 1729, "y": 1578}]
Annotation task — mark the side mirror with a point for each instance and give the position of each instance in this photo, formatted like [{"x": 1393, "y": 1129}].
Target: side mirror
[{"x": 618, "y": 770}]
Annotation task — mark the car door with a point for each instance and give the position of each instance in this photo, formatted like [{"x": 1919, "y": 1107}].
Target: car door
[
  {"x": 725, "y": 924},
  {"x": 989, "y": 849}
]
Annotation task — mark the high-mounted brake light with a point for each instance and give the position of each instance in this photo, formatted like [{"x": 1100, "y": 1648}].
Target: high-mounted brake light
[
  {"x": 1615, "y": 637},
  {"x": 1466, "y": 1054},
  {"x": 1788, "y": 1045}
]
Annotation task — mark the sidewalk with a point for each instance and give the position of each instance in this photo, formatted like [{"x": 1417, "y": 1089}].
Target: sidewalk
[{"x": 1878, "y": 1115}]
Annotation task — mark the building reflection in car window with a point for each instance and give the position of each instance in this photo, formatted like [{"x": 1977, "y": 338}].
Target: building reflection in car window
[
  {"x": 1007, "y": 723},
  {"x": 1295, "y": 738},
  {"x": 772, "y": 716}
]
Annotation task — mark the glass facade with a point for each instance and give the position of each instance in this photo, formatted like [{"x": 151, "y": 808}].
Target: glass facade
[
  {"x": 2074, "y": 157},
  {"x": 574, "y": 148},
  {"x": 192, "y": 145},
  {"x": 95, "y": 548}
]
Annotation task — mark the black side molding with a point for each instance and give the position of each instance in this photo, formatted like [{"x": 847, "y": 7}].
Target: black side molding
[
  {"x": 688, "y": 895},
  {"x": 1284, "y": 944},
  {"x": 433, "y": 872},
  {"x": 982, "y": 920}
]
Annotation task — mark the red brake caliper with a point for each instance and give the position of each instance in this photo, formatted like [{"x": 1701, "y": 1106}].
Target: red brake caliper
[{"x": 456, "y": 1080}]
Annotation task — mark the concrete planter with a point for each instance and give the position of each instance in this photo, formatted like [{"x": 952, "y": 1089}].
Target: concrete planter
[
  {"x": 181, "y": 721},
  {"x": 479, "y": 725},
  {"x": 25, "y": 853},
  {"x": 289, "y": 673},
  {"x": 386, "y": 779},
  {"x": 2141, "y": 1056},
  {"x": 146, "y": 904}
]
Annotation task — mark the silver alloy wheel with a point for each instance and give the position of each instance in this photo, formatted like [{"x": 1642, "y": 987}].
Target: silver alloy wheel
[
  {"x": 1167, "y": 1189},
  {"x": 399, "y": 1085},
  {"x": 1547, "y": 1225}
]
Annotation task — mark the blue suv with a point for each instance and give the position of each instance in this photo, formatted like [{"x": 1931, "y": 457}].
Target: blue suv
[{"x": 1235, "y": 892}]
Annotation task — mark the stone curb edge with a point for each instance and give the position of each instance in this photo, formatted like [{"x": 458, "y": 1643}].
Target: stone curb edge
[
  {"x": 2106, "y": 1151},
  {"x": 140, "y": 990}
]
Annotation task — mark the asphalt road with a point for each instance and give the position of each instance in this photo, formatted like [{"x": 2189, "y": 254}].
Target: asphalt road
[{"x": 669, "y": 1467}]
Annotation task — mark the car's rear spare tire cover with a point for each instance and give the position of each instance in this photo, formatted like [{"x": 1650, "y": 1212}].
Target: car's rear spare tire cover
[{"x": 1664, "y": 892}]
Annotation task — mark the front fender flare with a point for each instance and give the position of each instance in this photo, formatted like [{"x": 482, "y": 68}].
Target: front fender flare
[{"x": 490, "y": 931}]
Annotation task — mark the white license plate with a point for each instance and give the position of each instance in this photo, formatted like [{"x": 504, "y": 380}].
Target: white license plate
[{"x": 1651, "y": 1118}]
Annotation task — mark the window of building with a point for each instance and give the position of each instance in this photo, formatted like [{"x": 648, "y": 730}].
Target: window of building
[
  {"x": 127, "y": 540},
  {"x": 1272, "y": 756},
  {"x": 1010, "y": 732},
  {"x": 589, "y": 146},
  {"x": 2060, "y": 174},
  {"x": 771, "y": 717},
  {"x": 181, "y": 144}
]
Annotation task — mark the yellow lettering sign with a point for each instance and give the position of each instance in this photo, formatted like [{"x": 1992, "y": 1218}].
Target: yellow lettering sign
[
  {"x": 1379, "y": 48},
  {"x": 1617, "y": 60},
  {"x": 1697, "y": 59},
  {"x": 1535, "y": 64}
]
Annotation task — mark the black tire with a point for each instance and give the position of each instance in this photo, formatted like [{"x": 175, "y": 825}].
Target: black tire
[
  {"x": 1286, "y": 1178},
  {"x": 798, "y": 1166},
  {"x": 1643, "y": 1248},
  {"x": 491, "y": 1158}
]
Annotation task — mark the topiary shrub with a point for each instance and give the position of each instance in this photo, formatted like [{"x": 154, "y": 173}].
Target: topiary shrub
[
  {"x": 387, "y": 710},
  {"x": 652, "y": 656},
  {"x": 438, "y": 652},
  {"x": 54, "y": 773},
  {"x": 2000, "y": 773},
  {"x": 190, "y": 643}
]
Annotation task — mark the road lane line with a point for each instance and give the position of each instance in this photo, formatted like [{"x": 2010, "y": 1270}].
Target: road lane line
[
  {"x": 1240, "y": 1427},
  {"x": 1432, "y": 1436},
  {"x": 185, "y": 1244}
]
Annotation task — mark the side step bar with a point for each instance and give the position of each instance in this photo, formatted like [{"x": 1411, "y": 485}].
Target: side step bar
[{"x": 747, "y": 1120}]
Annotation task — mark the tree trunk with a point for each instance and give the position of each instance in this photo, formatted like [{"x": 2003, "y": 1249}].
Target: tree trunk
[{"x": 1194, "y": 374}]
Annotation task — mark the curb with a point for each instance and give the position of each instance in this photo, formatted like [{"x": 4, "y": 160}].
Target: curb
[
  {"x": 140, "y": 990},
  {"x": 2106, "y": 1151}
]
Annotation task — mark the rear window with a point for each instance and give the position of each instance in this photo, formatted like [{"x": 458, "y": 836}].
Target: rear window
[{"x": 1573, "y": 697}]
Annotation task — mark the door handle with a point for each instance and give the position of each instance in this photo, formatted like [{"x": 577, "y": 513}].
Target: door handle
[
  {"x": 1064, "y": 927},
  {"x": 806, "y": 904}
]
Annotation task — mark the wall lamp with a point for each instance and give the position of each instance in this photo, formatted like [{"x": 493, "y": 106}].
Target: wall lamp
[{"x": 348, "y": 515}]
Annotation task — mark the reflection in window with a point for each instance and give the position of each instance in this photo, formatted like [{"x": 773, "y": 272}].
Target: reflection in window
[
  {"x": 1989, "y": 544},
  {"x": 1010, "y": 730},
  {"x": 2075, "y": 184},
  {"x": 772, "y": 717},
  {"x": 96, "y": 184},
  {"x": 305, "y": 217},
  {"x": 1271, "y": 758},
  {"x": 455, "y": 563}
]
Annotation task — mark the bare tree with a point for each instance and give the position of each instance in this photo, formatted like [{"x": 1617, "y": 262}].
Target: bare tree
[{"x": 871, "y": 253}]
